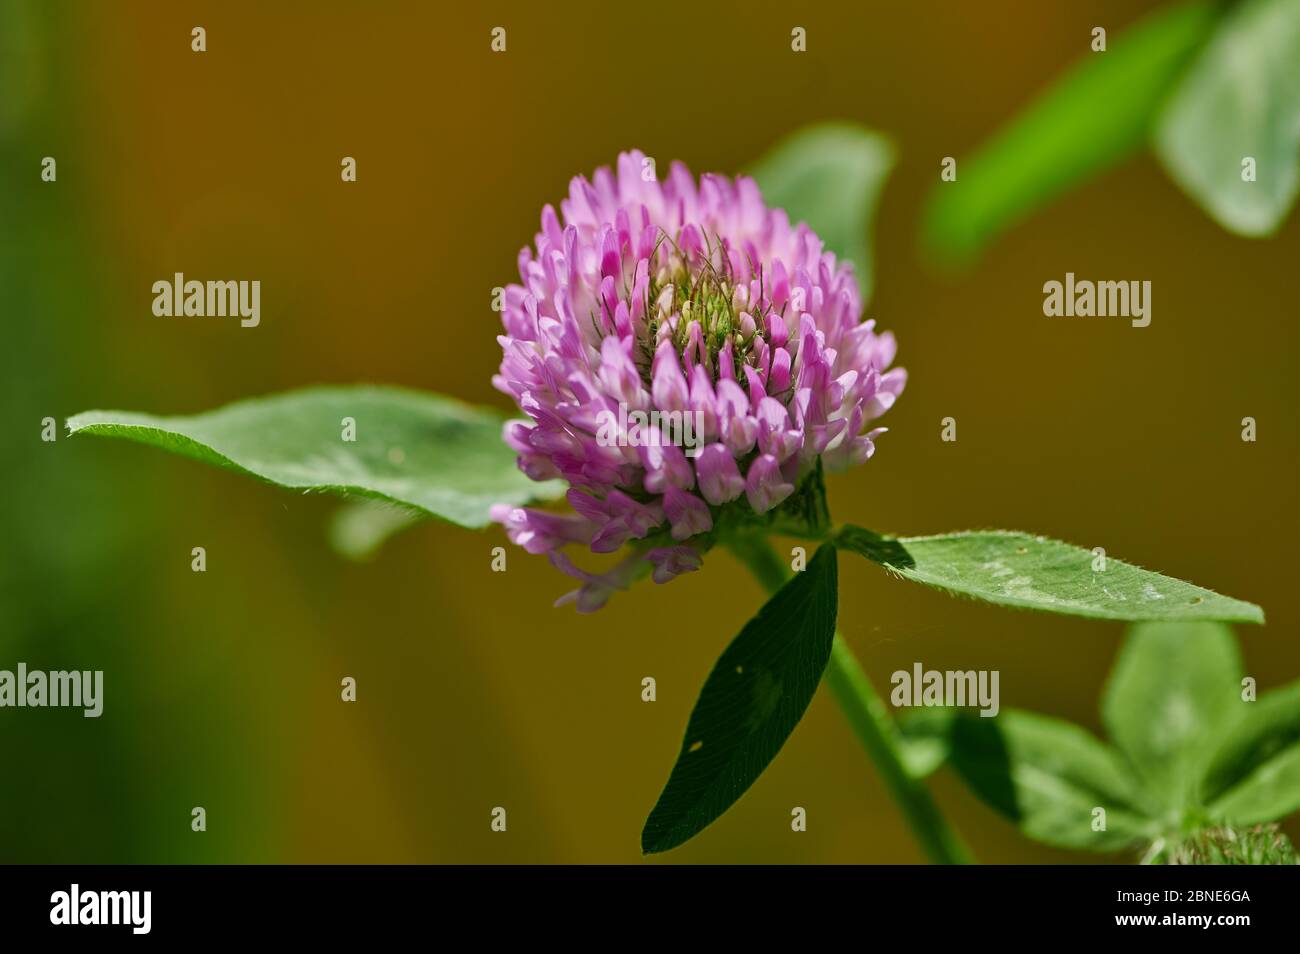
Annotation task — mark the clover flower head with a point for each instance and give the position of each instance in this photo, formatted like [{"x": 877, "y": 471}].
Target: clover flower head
[{"x": 679, "y": 350}]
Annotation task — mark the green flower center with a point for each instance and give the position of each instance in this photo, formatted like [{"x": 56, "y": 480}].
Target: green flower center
[{"x": 700, "y": 289}]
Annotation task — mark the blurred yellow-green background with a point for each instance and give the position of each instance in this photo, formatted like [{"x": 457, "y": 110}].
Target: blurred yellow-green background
[{"x": 222, "y": 688}]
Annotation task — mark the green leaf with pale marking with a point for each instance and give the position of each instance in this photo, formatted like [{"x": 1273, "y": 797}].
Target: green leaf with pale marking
[
  {"x": 1255, "y": 775},
  {"x": 751, "y": 702},
  {"x": 424, "y": 451},
  {"x": 1098, "y": 113},
  {"x": 1241, "y": 98},
  {"x": 830, "y": 176},
  {"x": 1172, "y": 695},
  {"x": 1016, "y": 569},
  {"x": 1050, "y": 777}
]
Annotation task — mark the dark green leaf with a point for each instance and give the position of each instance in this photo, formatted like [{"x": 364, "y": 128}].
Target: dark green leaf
[
  {"x": 830, "y": 176},
  {"x": 421, "y": 450},
  {"x": 1050, "y": 777},
  {"x": 751, "y": 702},
  {"x": 1255, "y": 775},
  {"x": 1171, "y": 695},
  {"x": 1240, "y": 98},
  {"x": 887, "y": 551},
  {"x": 1016, "y": 569},
  {"x": 1092, "y": 117}
]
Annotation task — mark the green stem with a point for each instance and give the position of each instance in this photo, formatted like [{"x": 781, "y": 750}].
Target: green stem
[{"x": 867, "y": 716}]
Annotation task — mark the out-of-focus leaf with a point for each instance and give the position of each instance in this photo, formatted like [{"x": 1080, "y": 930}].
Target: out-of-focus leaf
[
  {"x": 1171, "y": 696},
  {"x": 830, "y": 176},
  {"x": 1092, "y": 117},
  {"x": 751, "y": 702},
  {"x": 360, "y": 527},
  {"x": 1240, "y": 99},
  {"x": 1016, "y": 569},
  {"x": 1272, "y": 791},
  {"x": 1255, "y": 775},
  {"x": 1050, "y": 777},
  {"x": 421, "y": 450},
  {"x": 923, "y": 738}
]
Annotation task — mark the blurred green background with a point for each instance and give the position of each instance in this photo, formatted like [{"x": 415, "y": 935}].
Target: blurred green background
[{"x": 222, "y": 688}]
